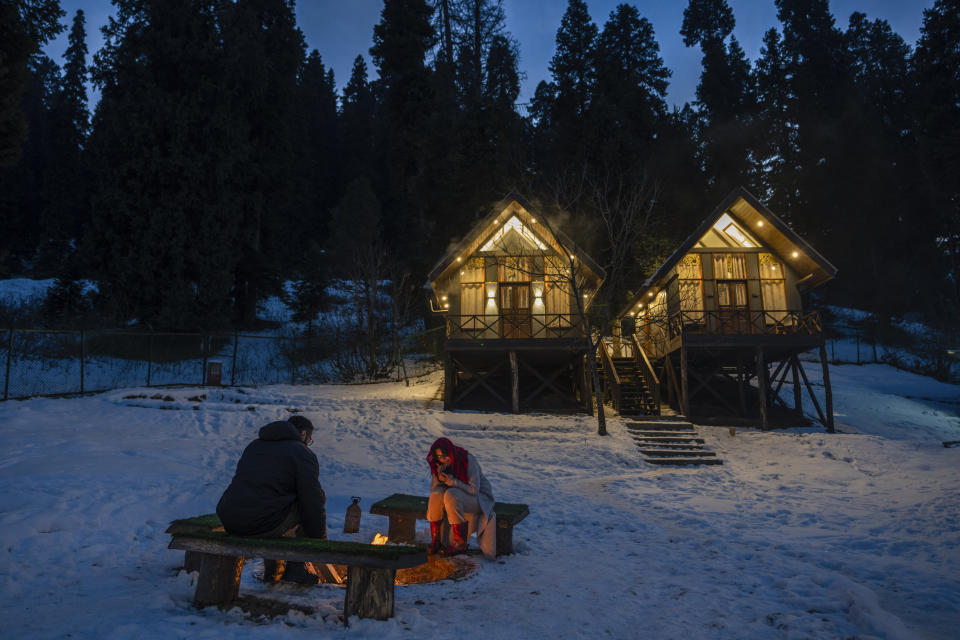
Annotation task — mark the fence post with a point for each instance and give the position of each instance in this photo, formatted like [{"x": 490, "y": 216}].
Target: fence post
[
  {"x": 293, "y": 366},
  {"x": 6, "y": 379},
  {"x": 233, "y": 364},
  {"x": 205, "y": 346},
  {"x": 81, "y": 360},
  {"x": 149, "y": 357}
]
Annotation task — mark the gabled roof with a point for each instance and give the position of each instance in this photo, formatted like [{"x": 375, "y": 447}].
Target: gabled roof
[
  {"x": 500, "y": 213},
  {"x": 813, "y": 269}
]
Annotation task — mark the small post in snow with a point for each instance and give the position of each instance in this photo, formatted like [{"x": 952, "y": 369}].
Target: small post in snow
[
  {"x": 6, "y": 379},
  {"x": 82, "y": 354}
]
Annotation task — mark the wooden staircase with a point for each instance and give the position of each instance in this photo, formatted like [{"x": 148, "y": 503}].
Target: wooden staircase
[
  {"x": 670, "y": 441},
  {"x": 635, "y": 398}
]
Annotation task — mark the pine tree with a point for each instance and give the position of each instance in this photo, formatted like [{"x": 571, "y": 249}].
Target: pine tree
[
  {"x": 725, "y": 95},
  {"x": 21, "y": 185},
  {"x": 817, "y": 79},
  {"x": 573, "y": 73},
  {"x": 401, "y": 41},
  {"x": 166, "y": 150},
  {"x": 357, "y": 117},
  {"x": 775, "y": 145},
  {"x": 25, "y": 26},
  {"x": 936, "y": 82},
  {"x": 66, "y": 186},
  {"x": 264, "y": 52},
  {"x": 628, "y": 104}
]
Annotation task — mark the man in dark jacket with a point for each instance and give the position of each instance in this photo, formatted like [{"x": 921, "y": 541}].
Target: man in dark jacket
[{"x": 276, "y": 491}]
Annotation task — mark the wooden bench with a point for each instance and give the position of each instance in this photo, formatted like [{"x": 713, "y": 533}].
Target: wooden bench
[
  {"x": 404, "y": 510},
  {"x": 371, "y": 569}
]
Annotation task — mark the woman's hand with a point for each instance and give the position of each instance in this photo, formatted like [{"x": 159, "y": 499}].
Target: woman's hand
[{"x": 443, "y": 477}]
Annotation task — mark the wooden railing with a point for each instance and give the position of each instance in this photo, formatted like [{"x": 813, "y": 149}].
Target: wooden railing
[
  {"x": 657, "y": 333},
  {"x": 613, "y": 379},
  {"x": 535, "y": 325},
  {"x": 645, "y": 368}
]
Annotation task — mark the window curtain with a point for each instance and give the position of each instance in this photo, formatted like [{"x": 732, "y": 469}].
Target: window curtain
[
  {"x": 772, "y": 289},
  {"x": 473, "y": 271},
  {"x": 556, "y": 298},
  {"x": 729, "y": 266},
  {"x": 471, "y": 306},
  {"x": 690, "y": 281},
  {"x": 514, "y": 270}
]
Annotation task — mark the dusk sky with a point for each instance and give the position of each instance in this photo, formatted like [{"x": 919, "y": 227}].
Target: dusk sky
[{"x": 341, "y": 29}]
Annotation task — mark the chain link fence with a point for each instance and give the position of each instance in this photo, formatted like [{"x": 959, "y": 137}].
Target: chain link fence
[{"x": 46, "y": 362}]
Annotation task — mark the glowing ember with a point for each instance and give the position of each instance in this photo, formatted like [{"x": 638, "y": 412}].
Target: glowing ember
[{"x": 436, "y": 568}]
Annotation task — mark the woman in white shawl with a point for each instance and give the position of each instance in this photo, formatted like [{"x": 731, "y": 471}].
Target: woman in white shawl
[{"x": 459, "y": 489}]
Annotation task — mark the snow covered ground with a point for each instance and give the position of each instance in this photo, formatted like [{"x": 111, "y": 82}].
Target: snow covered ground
[{"x": 800, "y": 534}]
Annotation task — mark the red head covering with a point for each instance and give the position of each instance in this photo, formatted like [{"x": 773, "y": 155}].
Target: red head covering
[{"x": 458, "y": 458}]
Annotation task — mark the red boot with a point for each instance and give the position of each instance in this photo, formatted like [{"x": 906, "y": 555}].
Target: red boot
[
  {"x": 459, "y": 540},
  {"x": 434, "y": 537}
]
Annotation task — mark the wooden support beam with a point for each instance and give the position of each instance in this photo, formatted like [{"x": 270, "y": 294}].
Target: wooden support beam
[
  {"x": 704, "y": 384},
  {"x": 480, "y": 381},
  {"x": 515, "y": 382},
  {"x": 741, "y": 384},
  {"x": 449, "y": 380},
  {"x": 762, "y": 387},
  {"x": 545, "y": 382},
  {"x": 797, "y": 391},
  {"x": 684, "y": 396},
  {"x": 813, "y": 397},
  {"x": 828, "y": 391}
]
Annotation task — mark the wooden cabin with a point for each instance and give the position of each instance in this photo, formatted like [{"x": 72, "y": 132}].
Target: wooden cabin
[
  {"x": 722, "y": 310},
  {"x": 512, "y": 294}
]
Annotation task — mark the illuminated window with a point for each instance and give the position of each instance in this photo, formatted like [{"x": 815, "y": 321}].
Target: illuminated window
[{"x": 501, "y": 239}]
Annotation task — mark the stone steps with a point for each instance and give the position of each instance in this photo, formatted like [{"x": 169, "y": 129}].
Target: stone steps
[{"x": 670, "y": 442}]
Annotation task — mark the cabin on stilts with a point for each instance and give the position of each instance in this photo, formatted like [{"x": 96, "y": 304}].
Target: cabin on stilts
[
  {"x": 513, "y": 295},
  {"x": 722, "y": 323}
]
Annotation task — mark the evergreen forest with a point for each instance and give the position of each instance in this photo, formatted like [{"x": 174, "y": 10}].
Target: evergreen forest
[{"x": 222, "y": 161}]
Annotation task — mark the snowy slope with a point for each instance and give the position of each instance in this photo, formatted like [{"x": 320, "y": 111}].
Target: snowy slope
[{"x": 800, "y": 534}]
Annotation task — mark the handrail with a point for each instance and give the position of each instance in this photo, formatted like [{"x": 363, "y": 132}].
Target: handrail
[
  {"x": 482, "y": 327},
  {"x": 611, "y": 371},
  {"x": 646, "y": 360},
  {"x": 648, "y": 373},
  {"x": 714, "y": 322}
]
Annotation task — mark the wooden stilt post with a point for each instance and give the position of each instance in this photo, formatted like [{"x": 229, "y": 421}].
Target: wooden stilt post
[
  {"x": 588, "y": 385},
  {"x": 828, "y": 400},
  {"x": 684, "y": 390},
  {"x": 762, "y": 387},
  {"x": 515, "y": 380},
  {"x": 797, "y": 391},
  {"x": 448, "y": 382},
  {"x": 741, "y": 381},
  {"x": 6, "y": 378}
]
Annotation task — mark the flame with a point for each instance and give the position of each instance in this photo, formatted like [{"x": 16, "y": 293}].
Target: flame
[{"x": 379, "y": 539}]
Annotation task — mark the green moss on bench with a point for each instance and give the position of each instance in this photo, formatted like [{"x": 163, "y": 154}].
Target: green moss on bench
[
  {"x": 401, "y": 502},
  {"x": 312, "y": 545},
  {"x": 197, "y": 523}
]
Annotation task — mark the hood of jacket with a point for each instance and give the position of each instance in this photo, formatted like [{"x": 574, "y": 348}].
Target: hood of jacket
[{"x": 279, "y": 430}]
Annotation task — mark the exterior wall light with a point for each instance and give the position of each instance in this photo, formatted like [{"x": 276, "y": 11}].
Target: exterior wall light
[{"x": 796, "y": 254}]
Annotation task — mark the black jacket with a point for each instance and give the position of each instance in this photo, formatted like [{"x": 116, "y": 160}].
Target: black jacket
[{"x": 274, "y": 471}]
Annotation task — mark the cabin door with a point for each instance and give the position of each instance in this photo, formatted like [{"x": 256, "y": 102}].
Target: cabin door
[
  {"x": 514, "y": 310},
  {"x": 732, "y": 306}
]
